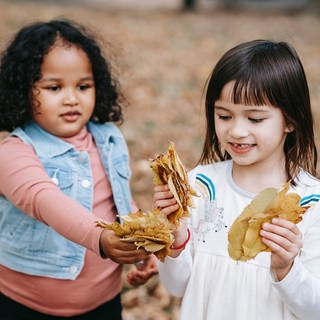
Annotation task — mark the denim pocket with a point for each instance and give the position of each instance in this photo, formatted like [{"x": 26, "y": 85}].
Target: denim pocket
[
  {"x": 62, "y": 178},
  {"x": 121, "y": 166}
]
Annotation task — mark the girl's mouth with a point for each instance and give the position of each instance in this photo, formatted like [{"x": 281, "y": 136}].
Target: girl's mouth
[
  {"x": 241, "y": 148},
  {"x": 71, "y": 116}
]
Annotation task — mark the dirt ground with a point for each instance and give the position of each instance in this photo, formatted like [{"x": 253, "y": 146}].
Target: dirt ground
[{"x": 162, "y": 56}]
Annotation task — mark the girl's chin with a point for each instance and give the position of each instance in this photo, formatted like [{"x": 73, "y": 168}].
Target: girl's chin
[{"x": 242, "y": 162}]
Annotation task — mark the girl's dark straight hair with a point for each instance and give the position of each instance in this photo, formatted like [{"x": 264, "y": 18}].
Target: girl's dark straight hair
[
  {"x": 265, "y": 72},
  {"x": 21, "y": 67}
]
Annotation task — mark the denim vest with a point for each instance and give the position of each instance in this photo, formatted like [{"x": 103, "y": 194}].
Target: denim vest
[{"x": 30, "y": 246}]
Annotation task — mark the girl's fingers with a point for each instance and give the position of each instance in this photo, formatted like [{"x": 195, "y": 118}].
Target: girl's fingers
[
  {"x": 164, "y": 199},
  {"x": 286, "y": 224},
  {"x": 136, "y": 279},
  {"x": 135, "y": 252},
  {"x": 128, "y": 250},
  {"x": 165, "y": 203},
  {"x": 136, "y": 276},
  {"x": 282, "y": 234},
  {"x": 277, "y": 240},
  {"x": 130, "y": 257},
  {"x": 283, "y": 228},
  {"x": 126, "y": 246},
  {"x": 279, "y": 234},
  {"x": 275, "y": 248},
  {"x": 153, "y": 270},
  {"x": 162, "y": 196},
  {"x": 161, "y": 188},
  {"x": 170, "y": 209}
]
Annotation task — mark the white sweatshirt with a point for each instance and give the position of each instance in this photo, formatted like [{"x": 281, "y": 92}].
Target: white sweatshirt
[{"x": 215, "y": 287}]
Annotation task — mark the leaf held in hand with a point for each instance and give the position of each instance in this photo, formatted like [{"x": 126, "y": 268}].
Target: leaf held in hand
[
  {"x": 168, "y": 169},
  {"x": 150, "y": 230},
  {"x": 244, "y": 240}
]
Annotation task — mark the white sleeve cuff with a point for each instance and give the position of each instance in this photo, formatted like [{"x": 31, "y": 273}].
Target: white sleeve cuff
[{"x": 289, "y": 279}]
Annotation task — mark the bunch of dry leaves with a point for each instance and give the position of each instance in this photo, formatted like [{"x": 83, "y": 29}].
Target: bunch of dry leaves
[
  {"x": 244, "y": 238},
  {"x": 152, "y": 230}
]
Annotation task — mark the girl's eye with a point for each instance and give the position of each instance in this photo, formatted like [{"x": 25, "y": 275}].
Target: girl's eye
[
  {"x": 84, "y": 87},
  {"x": 256, "y": 120},
  {"x": 225, "y": 118},
  {"x": 53, "y": 88}
]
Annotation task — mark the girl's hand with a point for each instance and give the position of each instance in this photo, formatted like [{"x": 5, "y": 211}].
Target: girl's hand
[
  {"x": 111, "y": 246},
  {"x": 285, "y": 241},
  {"x": 164, "y": 200},
  {"x": 140, "y": 275}
]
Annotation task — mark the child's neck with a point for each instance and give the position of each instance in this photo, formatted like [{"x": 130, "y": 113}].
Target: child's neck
[{"x": 255, "y": 178}]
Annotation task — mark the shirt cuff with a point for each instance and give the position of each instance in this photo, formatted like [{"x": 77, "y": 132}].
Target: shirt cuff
[
  {"x": 290, "y": 279},
  {"x": 95, "y": 238}
]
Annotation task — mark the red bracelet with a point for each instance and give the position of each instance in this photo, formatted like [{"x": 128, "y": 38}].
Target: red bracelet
[{"x": 182, "y": 245}]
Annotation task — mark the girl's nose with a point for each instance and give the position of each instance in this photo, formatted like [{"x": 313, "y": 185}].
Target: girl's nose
[
  {"x": 238, "y": 130},
  {"x": 71, "y": 98}
]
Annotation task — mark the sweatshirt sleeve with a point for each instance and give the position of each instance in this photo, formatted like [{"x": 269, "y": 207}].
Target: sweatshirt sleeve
[
  {"x": 174, "y": 273},
  {"x": 300, "y": 289},
  {"x": 25, "y": 184}
]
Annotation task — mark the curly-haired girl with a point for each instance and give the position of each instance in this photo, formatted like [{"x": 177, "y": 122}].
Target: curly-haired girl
[{"x": 63, "y": 167}]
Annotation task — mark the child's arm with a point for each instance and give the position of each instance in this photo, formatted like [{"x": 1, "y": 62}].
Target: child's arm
[
  {"x": 299, "y": 287},
  {"x": 176, "y": 270},
  {"x": 25, "y": 183}
]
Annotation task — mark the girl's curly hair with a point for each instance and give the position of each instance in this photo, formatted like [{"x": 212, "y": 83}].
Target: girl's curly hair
[{"x": 21, "y": 67}]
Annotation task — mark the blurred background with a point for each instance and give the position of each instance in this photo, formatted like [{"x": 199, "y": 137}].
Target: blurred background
[{"x": 163, "y": 51}]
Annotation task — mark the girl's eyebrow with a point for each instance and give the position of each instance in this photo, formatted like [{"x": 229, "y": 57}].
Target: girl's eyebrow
[
  {"x": 260, "y": 109},
  {"x": 220, "y": 108},
  {"x": 90, "y": 78}
]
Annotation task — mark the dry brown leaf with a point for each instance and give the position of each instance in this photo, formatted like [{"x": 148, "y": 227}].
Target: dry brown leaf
[
  {"x": 150, "y": 230},
  {"x": 168, "y": 169},
  {"x": 244, "y": 236}
]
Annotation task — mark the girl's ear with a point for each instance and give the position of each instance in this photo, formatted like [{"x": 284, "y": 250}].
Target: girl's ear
[{"x": 289, "y": 128}]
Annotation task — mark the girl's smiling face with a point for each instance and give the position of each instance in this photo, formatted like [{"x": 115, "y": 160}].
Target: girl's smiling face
[
  {"x": 250, "y": 134},
  {"x": 64, "y": 96}
]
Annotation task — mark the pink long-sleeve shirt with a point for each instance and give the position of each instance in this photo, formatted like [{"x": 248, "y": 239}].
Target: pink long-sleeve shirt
[{"x": 21, "y": 173}]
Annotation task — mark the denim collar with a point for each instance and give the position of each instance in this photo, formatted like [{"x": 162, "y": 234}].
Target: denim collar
[{"x": 49, "y": 145}]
